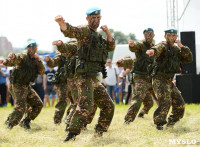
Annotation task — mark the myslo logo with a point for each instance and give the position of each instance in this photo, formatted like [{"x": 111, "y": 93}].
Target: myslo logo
[{"x": 182, "y": 141}]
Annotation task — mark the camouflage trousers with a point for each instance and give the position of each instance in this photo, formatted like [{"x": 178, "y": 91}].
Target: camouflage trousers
[
  {"x": 142, "y": 92},
  {"x": 167, "y": 95},
  {"x": 63, "y": 94},
  {"x": 91, "y": 94},
  {"x": 25, "y": 96}
]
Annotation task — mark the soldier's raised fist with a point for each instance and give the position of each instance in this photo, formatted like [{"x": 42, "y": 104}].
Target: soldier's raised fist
[
  {"x": 131, "y": 43},
  {"x": 11, "y": 56},
  {"x": 104, "y": 28},
  {"x": 57, "y": 42},
  {"x": 37, "y": 57},
  {"x": 150, "y": 52},
  {"x": 46, "y": 58},
  {"x": 59, "y": 19}
]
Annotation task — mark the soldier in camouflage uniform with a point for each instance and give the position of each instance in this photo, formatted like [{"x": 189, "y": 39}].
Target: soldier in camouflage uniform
[
  {"x": 142, "y": 89},
  {"x": 27, "y": 66},
  {"x": 168, "y": 58},
  {"x": 92, "y": 54},
  {"x": 62, "y": 61}
]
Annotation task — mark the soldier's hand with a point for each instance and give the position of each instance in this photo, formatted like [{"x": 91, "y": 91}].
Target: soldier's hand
[
  {"x": 104, "y": 28},
  {"x": 120, "y": 62},
  {"x": 179, "y": 43},
  {"x": 47, "y": 58},
  {"x": 131, "y": 43},
  {"x": 59, "y": 19},
  {"x": 57, "y": 42},
  {"x": 37, "y": 57},
  {"x": 11, "y": 56},
  {"x": 150, "y": 52},
  {"x": 1, "y": 61}
]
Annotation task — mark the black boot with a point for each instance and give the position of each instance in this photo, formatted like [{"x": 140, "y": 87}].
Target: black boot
[
  {"x": 25, "y": 123},
  {"x": 9, "y": 125},
  {"x": 84, "y": 127},
  {"x": 141, "y": 115},
  {"x": 70, "y": 136},
  {"x": 67, "y": 128},
  {"x": 98, "y": 133},
  {"x": 159, "y": 127},
  {"x": 171, "y": 124}
]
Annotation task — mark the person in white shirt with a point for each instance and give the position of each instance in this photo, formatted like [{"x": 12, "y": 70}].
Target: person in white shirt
[{"x": 112, "y": 80}]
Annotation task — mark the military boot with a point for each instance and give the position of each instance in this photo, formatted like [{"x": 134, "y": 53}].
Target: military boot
[
  {"x": 98, "y": 133},
  {"x": 67, "y": 128},
  {"x": 25, "y": 123},
  {"x": 141, "y": 115},
  {"x": 70, "y": 136},
  {"x": 170, "y": 124},
  {"x": 159, "y": 127},
  {"x": 9, "y": 125}
]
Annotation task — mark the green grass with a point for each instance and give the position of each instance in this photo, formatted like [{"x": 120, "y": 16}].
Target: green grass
[{"x": 141, "y": 132}]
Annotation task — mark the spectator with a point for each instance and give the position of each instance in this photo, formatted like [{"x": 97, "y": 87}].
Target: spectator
[
  {"x": 112, "y": 81},
  {"x": 49, "y": 88},
  {"x": 3, "y": 88}
]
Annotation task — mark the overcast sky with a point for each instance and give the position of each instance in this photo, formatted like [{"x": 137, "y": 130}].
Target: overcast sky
[{"x": 24, "y": 19}]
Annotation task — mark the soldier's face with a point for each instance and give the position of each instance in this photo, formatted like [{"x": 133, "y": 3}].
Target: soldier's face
[
  {"x": 94, "y": 21},
  {"x": 148, "y": 36},
  {"x": 32, "y": 50},
  {"x": 171, "y": 37}
]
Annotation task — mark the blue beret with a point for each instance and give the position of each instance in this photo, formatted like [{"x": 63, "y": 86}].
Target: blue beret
[
  {"x": 148, "y": 29},
  {"x": 93, "y": 11},
  {"x": 171, "y": 30},
  {"x": 30, "y": 44}
]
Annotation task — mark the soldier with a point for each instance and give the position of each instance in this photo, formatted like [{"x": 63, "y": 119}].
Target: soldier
[
  {"x": 167, "y": 60},
  {"x": 92, "y": 55},
  {"x": 142, "y": 89},
  {"x": 62, "y": 61},
  {"x": 27, "y": 66}
]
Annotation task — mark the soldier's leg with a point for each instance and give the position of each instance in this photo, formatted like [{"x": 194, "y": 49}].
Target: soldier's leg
[
  {"x": 85, "y": 103},
  {"x": 35, "y": 102},
  {"x": 19, "y": 93},
  {"x": 106, "y": 105},
  {"x": 178, "y": 107},
  {"x": 139, "y": 93},
  {"x": 61, "y": 104},
  {"x": 162, "y": 89},
  {"x": 147, "y": 104}
]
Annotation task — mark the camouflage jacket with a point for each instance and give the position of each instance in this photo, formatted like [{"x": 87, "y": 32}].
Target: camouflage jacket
[
  {"x": 20, "y": 59},
  {"x": 169, "y": 59},
  {"x": 142, "y": 61},
  {"x": 82, "y": 34}
]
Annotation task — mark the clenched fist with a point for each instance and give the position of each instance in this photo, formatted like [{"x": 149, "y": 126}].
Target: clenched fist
[
  {"x": 37, "y": 57},
  {"x": 47, "y": 58},
  {"x": 131, "y": 43},
  {"x": 57, "y": 42},
  {"x": 11, "y": 56},
  {"x": 59, "y": 19},
  {"x": 150, "y": 52}
]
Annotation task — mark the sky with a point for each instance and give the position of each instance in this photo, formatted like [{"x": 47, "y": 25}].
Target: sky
[{"x": 21, "y": 20}]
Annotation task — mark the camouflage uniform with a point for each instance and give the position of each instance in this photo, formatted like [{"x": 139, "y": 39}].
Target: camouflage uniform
[
  {"x": 25, "y": 71},
  {"x": 92, "y": 54},
  {"x": 61, "y": 84},
  {"x": 142, "y": 91},
  {"x": 166, "y": 64}
]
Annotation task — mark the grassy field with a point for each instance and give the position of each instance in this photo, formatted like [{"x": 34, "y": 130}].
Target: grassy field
[{"x": 141, "y": 132}]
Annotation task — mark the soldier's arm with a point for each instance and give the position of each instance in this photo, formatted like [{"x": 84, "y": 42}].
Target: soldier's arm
[
  {"x": 186, "y": 55},
  {"x": 158, "y": 49},
  {"x": 126, "y": 63},
  {"x": 55, "y": 61},
  {"x": 16, "y": 60},
  {"x": 68, "y": 48},
  {"x": 40, "y": 67},
  {"x": 137, "y": 46},
  {"x": 76, "y": 32},
  {"x": 110, "y": 45}
]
